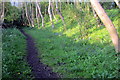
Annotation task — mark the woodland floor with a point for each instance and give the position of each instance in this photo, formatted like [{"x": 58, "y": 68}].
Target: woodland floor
[{"x": 39, "y": 70}]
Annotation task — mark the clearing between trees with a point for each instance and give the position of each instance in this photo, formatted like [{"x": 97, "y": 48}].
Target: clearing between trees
[{"x": 60, "y": 39}]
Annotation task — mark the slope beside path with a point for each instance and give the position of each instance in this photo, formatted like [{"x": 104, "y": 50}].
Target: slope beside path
[{"x": 39, "y": 70}]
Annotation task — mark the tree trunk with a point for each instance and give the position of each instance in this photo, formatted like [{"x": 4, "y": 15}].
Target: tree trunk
[
  {"x": 23, "y": 14},
  {"x": 108, "y": 23},
  {"x": 28, "y": 18},
  {"x": 37, "y": 16},
  {"x": 39, "y": 9},
  {"x": 50, "y": 14},
  {"x": 58, "y": 11},
  {"x": 74, "y": 2},
  {"x": 32, "y": 15},
  {"x": 53, "y": 11},
  {"x": 68, "y": 1},
  {"x": 2, "y": 14},
  {"x": 117, "y": 2}
]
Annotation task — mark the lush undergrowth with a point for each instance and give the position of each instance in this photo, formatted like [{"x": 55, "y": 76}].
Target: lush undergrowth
[
  {"x": 84, "y": 50},
  {"x": 0, "y": 54},
  {"x": 14, "y": 64}
]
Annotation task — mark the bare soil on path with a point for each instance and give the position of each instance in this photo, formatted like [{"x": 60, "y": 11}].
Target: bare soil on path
[{"x": 39, "y": 70}]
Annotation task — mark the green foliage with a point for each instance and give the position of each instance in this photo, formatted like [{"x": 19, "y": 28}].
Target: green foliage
[
  {"x": 11, "y": 12},
  {"x": 13, "y": 56},
  {"x": 74, "y": 54},
  {"x": 81, "y": 17},
  {"x": 108, "y": 5}
]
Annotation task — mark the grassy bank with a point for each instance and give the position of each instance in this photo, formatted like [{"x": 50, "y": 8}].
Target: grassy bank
[
  {"x": 84, "y": 50},
  {"x": 14, "y": 64}
]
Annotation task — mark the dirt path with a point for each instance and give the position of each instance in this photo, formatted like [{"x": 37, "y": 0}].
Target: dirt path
[{"x": 39, "y": 70}]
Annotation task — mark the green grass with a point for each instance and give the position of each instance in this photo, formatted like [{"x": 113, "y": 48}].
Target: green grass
[
  {"x": 82, "y": 51},
  {"x": 76, "y": 59},
  {"x": 0, "y": 54},
  {"x": 14, "y": 64}
]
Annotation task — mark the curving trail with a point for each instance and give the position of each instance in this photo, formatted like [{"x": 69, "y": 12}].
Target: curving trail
[{"x": 39, "y": 70}]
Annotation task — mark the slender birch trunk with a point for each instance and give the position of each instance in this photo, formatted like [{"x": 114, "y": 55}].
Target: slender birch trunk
[
  {"x": 39, "y": 9},
  {"x": 53, "y": 11},
  {"x": 32, "y": 15},
  {"x": 58, "y": 11},
  {"x": 50, "y": 14},
  {"x": 23, "y": 14},
  {"x": 108, "y": 23},
  {"x": 37, "y": 16},
  {"x": 68, "y": 1},
  {"x": 27, "y": 16}
]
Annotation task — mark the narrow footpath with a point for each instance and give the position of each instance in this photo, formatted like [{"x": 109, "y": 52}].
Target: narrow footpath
[{"x": 39, "y": 70}]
